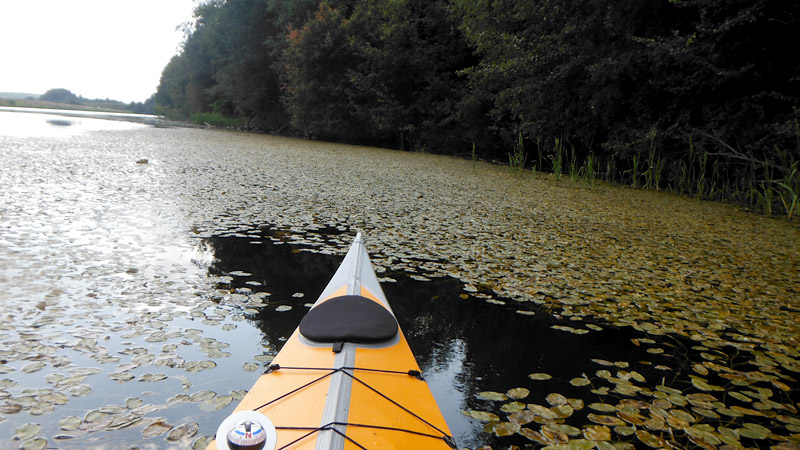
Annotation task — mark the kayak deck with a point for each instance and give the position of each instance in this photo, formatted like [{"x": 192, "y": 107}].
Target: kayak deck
[{"x": 346, "y": 378}]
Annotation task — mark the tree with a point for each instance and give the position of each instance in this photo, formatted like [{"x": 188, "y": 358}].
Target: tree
[
  {"x": 60, "y": 96},
  {"x": 237, "y": 36},
  {"x": 145, "y": 107},
  {"x": 317, "y": 83},
  {"x": 616, "y": 77},
  {"x": 404, "y": 78}
]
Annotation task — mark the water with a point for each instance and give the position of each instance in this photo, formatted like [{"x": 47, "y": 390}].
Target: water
[
  {"x": 54, "y": 123},
  {"x": 148, "y": 253}
]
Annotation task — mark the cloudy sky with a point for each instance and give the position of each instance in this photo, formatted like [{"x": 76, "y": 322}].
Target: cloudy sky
[{"x": 95, "y": 48}]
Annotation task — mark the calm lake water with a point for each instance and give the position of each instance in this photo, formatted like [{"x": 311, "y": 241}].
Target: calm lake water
[{"x": 148, "y": 275}]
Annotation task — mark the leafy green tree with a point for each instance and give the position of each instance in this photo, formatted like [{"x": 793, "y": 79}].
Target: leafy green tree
[
  {"x": 378, "y": 71},
  {"x": 182, "y": 89},
  {"x": 727, "y": 73},
  {"x": 60, "y": 96},
  {"x": 246, "y": 83},
  {"x": 145, "y": 107},
  {"x": 317, "y": 84},
  {"x": 404, "y": 78},
  {"x": 619, "y": 77}
]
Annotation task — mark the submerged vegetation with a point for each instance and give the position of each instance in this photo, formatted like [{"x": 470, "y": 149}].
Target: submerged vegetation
[{"x": 694, "y": 96}]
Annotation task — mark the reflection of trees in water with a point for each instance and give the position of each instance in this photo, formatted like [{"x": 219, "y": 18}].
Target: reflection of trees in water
[
  {"x": 282, "y": 271},
  {"x": 485, "y": 346},
  {"x": 497, "y": 343}
]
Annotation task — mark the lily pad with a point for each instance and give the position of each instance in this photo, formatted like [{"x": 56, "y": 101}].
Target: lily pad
[
  {"x": 605, "y": 420},
  {"x": 491, "y": 395},
  {"x": 513, "y": 407},
  {"x": 650, "y": 439},
  {"x": 556, "y": 399},
  {"x": 542, "y": 411},
  {"x": 202, "y": 396},
  {"x": 506, "y": 429},
  {"x": 754, "y": 431},
  {"x": 151, "y": 377},
  {"x": 624, "y": 430},
  {"x": 597, "y": 433},
  {"x": 580, "y": 444},
  {"x": 539, "y": 376},
  {"x": 33, "y": 367},
  {"x": 69, "y": 423},
  {"x": 580, "y": 381},
  {"x": 183, "y": 431},
  {"x": 202, "y": 442},
  {"x": 80, "y": 391},
  {"x": 37, "y": 443},
  {"x": 602, "y": 407},
  {"x": 216, "y": 403},
  {"x": 156, "y": 428},
  {"x": 703, "y": 385},
  {"x": 569, "y": 430},
  {"x": 562, "y": 411},
  {"x": 483, "y": 416},
  {"x": 133, "y": 403},
  {"x": 518, "y": 393},
  {"x": 534, "y": 436},
  {"x": 41, "y": 408},
  {"x": 603, "y": 362},
  {"x": 95, "y": 416},
  {"x": 27, "y": 431},
  {"x": 522, "y": 417},
  {"x": 554, "y": 435},
  {"x": 121, "y": 377}
]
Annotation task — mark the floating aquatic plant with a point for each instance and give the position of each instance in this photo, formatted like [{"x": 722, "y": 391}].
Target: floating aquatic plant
[{"x": 121, "y": 258}]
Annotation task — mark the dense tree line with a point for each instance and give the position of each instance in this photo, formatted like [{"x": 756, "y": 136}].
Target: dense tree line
[
  {"x": 66, "y": 97},
  {"x": 701, "y": 96}
]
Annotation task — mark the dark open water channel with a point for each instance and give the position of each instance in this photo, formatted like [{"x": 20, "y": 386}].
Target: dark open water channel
[{"x": 464, "y": 345}]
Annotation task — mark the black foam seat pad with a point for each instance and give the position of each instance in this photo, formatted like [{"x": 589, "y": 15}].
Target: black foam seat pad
[{"x": 349, "y": 318}]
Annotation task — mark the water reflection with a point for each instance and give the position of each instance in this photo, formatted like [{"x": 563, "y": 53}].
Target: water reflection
[
  {"x": 61, "y": 122},
  {"x": 463, "y": 346},
  {"x": 15, "y": 123}
]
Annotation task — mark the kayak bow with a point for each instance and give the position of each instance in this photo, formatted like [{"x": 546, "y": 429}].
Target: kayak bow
[{"x": 345, "y": 379}]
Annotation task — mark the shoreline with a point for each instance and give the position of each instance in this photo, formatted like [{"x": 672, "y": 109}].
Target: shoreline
[{"x": 147, "y": 119}]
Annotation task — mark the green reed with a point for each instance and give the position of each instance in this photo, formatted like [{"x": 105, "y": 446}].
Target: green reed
[
  {"x": 573, "y": 168},
  {"x": 588, "y": 172},
  {"x": 655, "y": 168},
  {"x": 557, "y": 158},
  {"x": 474, "y": 157},
  {"x": 789, "y": 192},
  {"x": 634, "y": 171},
  {"x": 714, "y": 171},
  {"x": 516, "y": 160}
]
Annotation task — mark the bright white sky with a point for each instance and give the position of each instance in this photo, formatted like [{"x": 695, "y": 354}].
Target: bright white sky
[{"x": 113, "y": 49}]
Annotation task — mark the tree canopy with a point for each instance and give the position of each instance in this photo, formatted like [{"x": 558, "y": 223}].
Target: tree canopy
[{"x": 60, "y": 95}]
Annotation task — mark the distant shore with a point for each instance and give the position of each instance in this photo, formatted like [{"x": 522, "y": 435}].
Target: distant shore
[
  {"x": 31, "y": 103},
  {"x": 43, "y": 107}
]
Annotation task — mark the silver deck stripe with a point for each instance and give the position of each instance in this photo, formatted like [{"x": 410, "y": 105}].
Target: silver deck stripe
[
  {"x": 354, "y": 284},
  {"x": 337, "y": 404}
]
